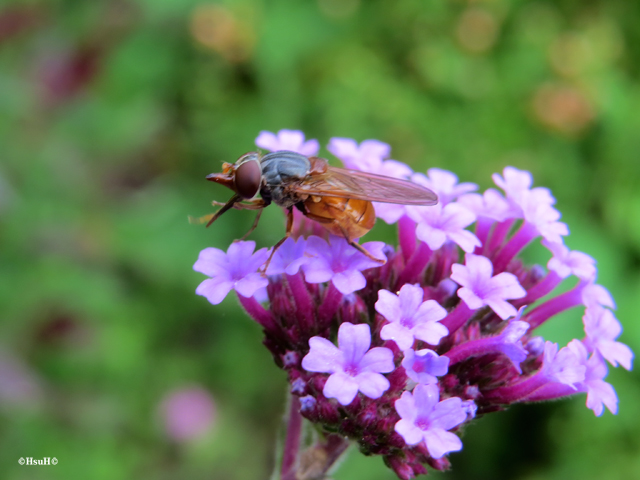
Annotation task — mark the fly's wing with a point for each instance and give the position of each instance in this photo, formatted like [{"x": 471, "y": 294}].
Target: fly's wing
[{"x": 340, "y": 182}]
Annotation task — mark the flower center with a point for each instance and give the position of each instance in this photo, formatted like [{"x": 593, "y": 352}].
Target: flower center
[
  {"x": 422, "y": 423},
  {"x": 418, "y": 367},
  {"x": 407, "y": 322},
  {"x": 351, "y": 370}
]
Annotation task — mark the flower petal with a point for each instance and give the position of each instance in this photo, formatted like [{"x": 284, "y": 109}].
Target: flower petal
[
  {"x": 378, "y": 359},
  {"x": 214, "y": 290},
  {"x": 412, "y": 435},
  {"x": 342, "y": 387},
  {"x": 323, "y": 356},
  {"x": 372, "y": 384},
  {"x": 399, "y": 334},
  {"x": 439, "y": 442},
  {"x": 354, "y": 341}
]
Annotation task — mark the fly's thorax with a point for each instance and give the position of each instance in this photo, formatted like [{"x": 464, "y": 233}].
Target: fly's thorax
[
  {"x": 285, "y": 199},
  {"x": 284, "y": 166},
  {"x": 279, "y": 169}
]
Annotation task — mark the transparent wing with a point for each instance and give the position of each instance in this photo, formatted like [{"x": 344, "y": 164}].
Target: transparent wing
[{"x": 340, "y": 182}]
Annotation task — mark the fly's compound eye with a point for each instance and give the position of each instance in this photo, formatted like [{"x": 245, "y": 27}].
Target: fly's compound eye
[{"x": 248, "y": 178}]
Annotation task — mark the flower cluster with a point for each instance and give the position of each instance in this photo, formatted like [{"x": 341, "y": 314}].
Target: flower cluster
[{"x": 399, "y": 357}]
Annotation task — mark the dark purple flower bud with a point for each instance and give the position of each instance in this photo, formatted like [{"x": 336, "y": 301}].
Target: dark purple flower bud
[{"x": 298, "y": 386}]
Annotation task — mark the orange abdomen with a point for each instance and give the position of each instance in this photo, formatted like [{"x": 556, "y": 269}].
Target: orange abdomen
[{"x": 338, "y": 215}]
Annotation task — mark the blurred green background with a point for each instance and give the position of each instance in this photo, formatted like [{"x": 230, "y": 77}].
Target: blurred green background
[{"x": 111, "y": 114}]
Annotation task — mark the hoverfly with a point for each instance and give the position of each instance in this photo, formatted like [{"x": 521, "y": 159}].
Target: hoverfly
[{"x": 337, "y": 198}]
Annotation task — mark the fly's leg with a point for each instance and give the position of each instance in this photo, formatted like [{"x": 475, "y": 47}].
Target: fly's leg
[
  {"x": 355, "y": 245},
  {"x": 255, "y": 224},
  {"x": 256, "y": 204},
  {"x": 360, "y": 248},
  {"x": 225, "y": 207},
  {"x": 212, "y": 217},
  {"x": 200, "y": 220},
  {"x": 287, "y": 234},
  {"x": 235, "y": 201}
]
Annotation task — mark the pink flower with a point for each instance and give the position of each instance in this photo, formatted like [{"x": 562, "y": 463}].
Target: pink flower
[
  {"x": 188, "y": 413},
  {"x": 410, "y": 318},
  {"x": 426, "y": 419},
  {"x": 438, "y": 223},
  {"x": 292, "y": 140},
  {"x": 237, "y": 269},
  {"x": 480, "y": 287},
  {"x": 353, "y": 367}
]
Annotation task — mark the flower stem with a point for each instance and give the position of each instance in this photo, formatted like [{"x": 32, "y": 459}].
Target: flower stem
[
  {"x": 318, "y": 459},
  {"x": 292, "y": 441},
  {"x": 303, "y": 301},
  {"x": 471, "y": 348},
  {"x": 330, "y": 304},
  {"x": 407, "y": 236},
  {"x": 554, "y": 306},
  {"x": 498, "y": 235},
  {"x": 415, "y": 265},
  {"x": 540, "y": 289},
  {"x": 525, "y": 234},
  {"x": 258, "y": 313},
  {"x": 483, "y": 227},
  {"x": 518, "y": 391},
  {"x": 457, "y": 317}
]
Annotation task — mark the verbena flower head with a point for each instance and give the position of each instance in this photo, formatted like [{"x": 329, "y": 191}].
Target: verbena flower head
[{"x": 400, "y": 357}]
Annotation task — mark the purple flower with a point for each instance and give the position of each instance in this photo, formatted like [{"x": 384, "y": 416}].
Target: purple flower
[
  {"x": 444, "y": 183},
  {"x": 425, "y": 419},
  {"x": 491, "y": 204},
  {"x": 423, "y": 366},
  {"x": 410, "y": 318},
  {"x": 353, "y": 367},
  {"x": 565, "y": 262},
  {"x": 534, "y": 205},
  {"x": 339, "y": 262},
  {"x": 19, "y": 385},
  {"x": 535, "y": 346},
  {"x": 437, "y": 224},
  {"x": 292, "y": 140},
  {"x": 543, "y": 217},
  {"x": 602, "y": 328},
  {"x": 480, "y": 287},
  {"x": 594, "y": 295},
  {"x": 599, "y": 392},
  {"x": 237, "y": 269},
  {"x": 516, "y": 182},
  {"x": 188, "y": 413},
  {"x": 369, "y": 157},
  {"x": 289, "y": 257},
  {"x": 561, "y": 374},
  {"x": 506, "y": 342},
  {"x": 562, "y": 366}
]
